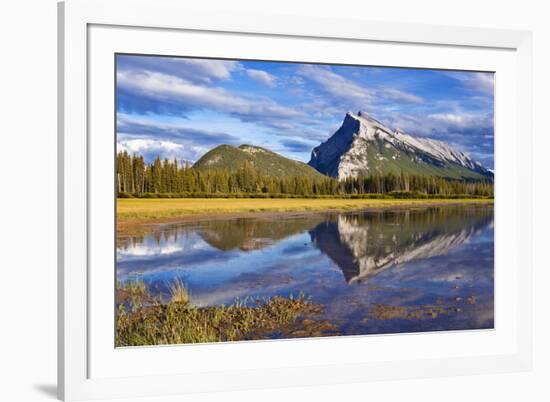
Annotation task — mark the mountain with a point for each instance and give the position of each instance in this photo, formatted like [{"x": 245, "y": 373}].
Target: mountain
[
  {"x": 363, "y": 145},
  {"x": 268, "y": 163}
]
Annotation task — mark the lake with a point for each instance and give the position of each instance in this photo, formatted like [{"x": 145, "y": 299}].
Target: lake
[{"x": 385, "y": 271}]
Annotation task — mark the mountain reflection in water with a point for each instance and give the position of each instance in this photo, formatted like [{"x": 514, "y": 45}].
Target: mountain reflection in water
[
  {"x": 363, "y": 245},
  {"x": 350, "y": 262}
]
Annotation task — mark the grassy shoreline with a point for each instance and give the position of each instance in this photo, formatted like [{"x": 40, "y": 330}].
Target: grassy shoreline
[
  {"x": 137, "y": 211},
  {"x": 144, "y": 320}
]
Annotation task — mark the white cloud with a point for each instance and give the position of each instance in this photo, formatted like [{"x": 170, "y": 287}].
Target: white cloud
[
  {"x": 352, "y": 92},
  {"x": 262, "y": 77},
  {"x": 460, "y": 120},
  {"x": 172, "y": 89},
  {"x": 176, "y": 131},
  {"x": 396, "y": 94},
  {"x": 175, "y": 140},
  {"x": 337, "y": 85},
  {"x": 218, "y": 69},
  {"x": 449, "y": 118},
  {"x": 140, "y": 250},
  {"x": 481, "y": 82},
  {"x": 139, "y": 145},
  {"x": 467, "y": 131},
  {"x": 484, "y": 82},
  {"x": 151, "y": 148}
]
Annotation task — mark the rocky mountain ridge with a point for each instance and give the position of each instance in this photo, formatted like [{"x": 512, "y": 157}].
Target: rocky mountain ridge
[{"x": 363, "y": 146}]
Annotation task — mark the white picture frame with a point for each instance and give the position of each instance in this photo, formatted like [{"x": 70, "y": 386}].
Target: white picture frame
[{"x": 84, "y": 26}]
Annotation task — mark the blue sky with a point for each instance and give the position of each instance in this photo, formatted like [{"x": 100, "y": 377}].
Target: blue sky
[{"x": 182, "y": 107}]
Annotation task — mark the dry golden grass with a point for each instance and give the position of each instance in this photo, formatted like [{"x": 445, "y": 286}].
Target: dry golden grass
[
  {"x": 179, "y": 293},
  {"x": 151, "y": 209}
]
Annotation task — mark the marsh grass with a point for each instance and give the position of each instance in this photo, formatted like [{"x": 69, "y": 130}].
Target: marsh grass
[
  {"x": 132, "y": 293},
  {"x": 135, "y": 287},
  {"x": 177, "y": 321},
  {"x": 179, "y": 293}
]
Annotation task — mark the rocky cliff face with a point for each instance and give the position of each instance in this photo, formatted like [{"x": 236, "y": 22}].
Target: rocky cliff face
[{"x": 363, "y": 145}]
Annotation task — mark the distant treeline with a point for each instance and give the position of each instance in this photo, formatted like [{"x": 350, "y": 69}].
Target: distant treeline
[{"x": 165, "y": 178}]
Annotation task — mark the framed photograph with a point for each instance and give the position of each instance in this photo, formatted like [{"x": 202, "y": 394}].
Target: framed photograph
[{"x": 252, "y": 201}]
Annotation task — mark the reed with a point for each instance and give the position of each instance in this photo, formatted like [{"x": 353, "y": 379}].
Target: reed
[{"x": 179, "y": 293}]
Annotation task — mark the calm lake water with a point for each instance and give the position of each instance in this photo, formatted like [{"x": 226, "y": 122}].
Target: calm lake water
[{"x": 406, "y": 270}]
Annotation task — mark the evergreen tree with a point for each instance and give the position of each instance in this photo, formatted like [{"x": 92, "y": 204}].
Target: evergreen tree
[{"x": 133, "y": 175}]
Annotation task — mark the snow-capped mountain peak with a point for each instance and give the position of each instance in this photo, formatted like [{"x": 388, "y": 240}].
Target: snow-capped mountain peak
[
  {"x": 364, "y": 145},
  {"x": 369, "y": 127}
]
